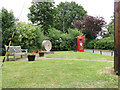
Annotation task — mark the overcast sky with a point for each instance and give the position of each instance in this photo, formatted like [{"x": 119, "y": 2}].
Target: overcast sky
[{"x": 104, "y": 8}]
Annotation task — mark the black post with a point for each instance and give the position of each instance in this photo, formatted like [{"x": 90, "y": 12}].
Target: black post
[
  {"x": 111, "y": 53},
  {"x": 75, "y": 44},
  {"x": 101, "y": 52},
  {"x": 93, "y": 48}
]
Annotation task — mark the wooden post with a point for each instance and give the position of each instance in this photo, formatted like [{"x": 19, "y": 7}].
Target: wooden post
[{"x": 117, "y": 38}]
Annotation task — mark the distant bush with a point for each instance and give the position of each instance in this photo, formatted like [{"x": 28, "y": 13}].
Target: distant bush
[
  {"x": 74, "y": 33},
  {"x": 63, "y": 41},
  {"x": 28, "y": 36},
  {"x": 90, "y": 26},
  {"x": 31, "y": 37},
  {"x": 106, "y": 43}
]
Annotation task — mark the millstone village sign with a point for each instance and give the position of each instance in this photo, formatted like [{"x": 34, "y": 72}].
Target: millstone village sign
[{"x": 117, "y": 38}]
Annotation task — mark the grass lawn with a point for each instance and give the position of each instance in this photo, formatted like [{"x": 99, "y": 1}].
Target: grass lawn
[
  {"x": 0, "y": 78},
  {"x": 12, "y": 57},
  {"x": 74, "y": 55},
  {"x": 58, "y": 74},
  {"x": 79, "y": 55}
]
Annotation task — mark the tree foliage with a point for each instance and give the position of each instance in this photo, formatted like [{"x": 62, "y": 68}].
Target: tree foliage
[
  {"x": 42, "y": 13},
  {"x": 90, "y": 26},
  {"x": 8, "y": 26},
  {"x": 67, "y": 13},
  {"x": 0, "y": 33},
  {"x": 8, "y": 19},
  {"x": 111, "y": 29},
  {"x": 106, "y": 43},
  {"x": 63, "y": 41},
  {"x": 28, "y": 36},
  {"x": 8, "y": 22}
]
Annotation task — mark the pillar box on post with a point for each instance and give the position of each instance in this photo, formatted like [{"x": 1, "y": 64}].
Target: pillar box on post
[{"x": 79, "y": 43}]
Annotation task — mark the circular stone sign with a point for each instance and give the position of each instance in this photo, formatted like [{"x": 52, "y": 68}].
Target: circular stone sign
[{"x": 46, "y": 44}]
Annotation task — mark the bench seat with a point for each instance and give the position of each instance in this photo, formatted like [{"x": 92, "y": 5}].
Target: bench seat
[{"x": 15, "y": 50}]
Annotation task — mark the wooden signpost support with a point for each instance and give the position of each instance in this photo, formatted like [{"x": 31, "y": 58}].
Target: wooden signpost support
[{"x": 117, "y": 38}]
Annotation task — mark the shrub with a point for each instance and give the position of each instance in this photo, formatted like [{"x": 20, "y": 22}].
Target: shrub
[
  {"x": 90, "y": 26},
  {"x": 28, "y": 36},
  {"x": 106, "y": 43},
  {"x": 74, "y": 33},
  {"x": 63, "y": 41},
  {"x": 31, "y": 37}
]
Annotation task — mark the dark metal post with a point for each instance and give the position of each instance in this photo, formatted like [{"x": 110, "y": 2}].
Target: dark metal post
[
  {"x": 111, "y": 53},
  {"x": 93, "y": 47},
  {"x": 101, "y": 52},
  {"x": 117, "y": 37},
  {"x": 75, "y": 44}
]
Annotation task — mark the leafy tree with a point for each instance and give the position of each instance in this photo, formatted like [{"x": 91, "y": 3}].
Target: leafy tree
[
  {"x": 106, "y": 43},
  {"x": 42, "y": 13},
  {"x": 67, "y": 13},
  {"x": 8, "y": 22},
  {"x": 28, "y": 36},
  {"x": 111, "y": 26},
  {"x": 63, "y": 41},
  {"x": 112, "y": 18},
  {"x": 90, "y": 26},
  {"x": 8, "y": 26},
  {"x": 0, "y": 34},
  {"x": 8, "y": 19},
  {"x": 110, "y": 30}
]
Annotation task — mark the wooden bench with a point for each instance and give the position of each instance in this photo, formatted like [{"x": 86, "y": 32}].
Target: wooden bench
[{"x": 15, "y": 50}]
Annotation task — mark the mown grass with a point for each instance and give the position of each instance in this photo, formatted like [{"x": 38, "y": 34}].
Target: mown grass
[
  {"x": 0, "y": 77},
  {"x": 79, "y": 55},
  {"x": 74, "y": 55},
  {"x": 11, "y": 57},
  {"x": 58, "y": 74}
]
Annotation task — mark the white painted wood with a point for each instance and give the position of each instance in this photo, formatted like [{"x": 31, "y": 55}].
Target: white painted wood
[{"x": 15, "y": 50}]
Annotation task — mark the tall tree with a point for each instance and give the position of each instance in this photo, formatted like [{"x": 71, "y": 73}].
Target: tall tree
[
  {"x": 90, "y": 26},
  {"x": 8, "y": 22},
  {"x": 42, "y": 13},
  {"x": 8, "y": 19},
  {"x": 0, "y": 33},
  {"x": 111, "y": 27},
  {"x": 67, "y": 13}
]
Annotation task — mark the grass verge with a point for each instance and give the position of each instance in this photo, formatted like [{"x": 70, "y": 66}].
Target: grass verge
[
  {"x": 58, "y": 74},
  {"x": 79, "y": 55},
  {"x": 74, "y": 55}
]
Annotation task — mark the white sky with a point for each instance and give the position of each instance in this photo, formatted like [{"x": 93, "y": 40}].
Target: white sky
[{"x": 104, "y": 8}]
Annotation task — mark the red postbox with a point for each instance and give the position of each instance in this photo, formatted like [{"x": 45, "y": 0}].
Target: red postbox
[{"x": 79, "y": 43}]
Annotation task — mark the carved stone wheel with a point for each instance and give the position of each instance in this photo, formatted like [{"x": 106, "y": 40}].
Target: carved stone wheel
[{"x": 47, "y": 45}]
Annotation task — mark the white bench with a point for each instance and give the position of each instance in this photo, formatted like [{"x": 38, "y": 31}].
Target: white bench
[{"x": 15, "y": 50}]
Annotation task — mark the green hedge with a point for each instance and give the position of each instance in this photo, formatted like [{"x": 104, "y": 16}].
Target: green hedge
[
  {"x": 106, "y": 43},
  {"x": 31, "y": 37},
  {"x": 63, "y": 41},
  {"x": 27, "y": 36}
]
